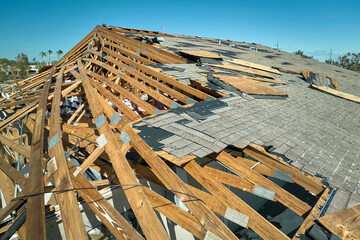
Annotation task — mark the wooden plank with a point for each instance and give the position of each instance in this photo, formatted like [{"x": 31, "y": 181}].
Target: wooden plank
[
  {"x": 130, "y": 70},
  {"x": 89, "y": 160},
  {"x": 175, "y": 214},
  {"x": 139, "y": 102},
  {"x": 210, "y": 201},
  {"x": 213, "y": 203},
  {"x": 69, "y": 121},
  {"x": 39, "y": 81},
  {"x": 12, "y": 173},
  {"x": 173, "y": 182},
  {"x": 116, "y": 101},
  {"x": 15, "y": 203},
  {"x": 309, "y": 220},
  {"x": 18, "y": 102},
  {"x": 78, "y": 46},
  {"x": 170, "y": 80},
  {"x": 146, "y": 89},
  {"x": 260, "y": 168},
  {"x": 175, "y": 160},
  {"x": 238, "y": 68},
  {"x": 15, "y": 147},
  {"x": 286, "y": 70},
  {"x": 260, "y": 79},
  {"x": 202, "y": 86},
  {"x": 263, "y": 79},
  {"x": 345, "y": 223},
  {"x": 230, "y": 179},
  {"x": 108, "y": 215},
  {"x": 256, "y": 222},
  {"x": 20, "y": 113},
  {"x": 17, "y": 83},
  {"x": 250, "y": 86},
  {"x": 203, "y": 54},
  {"x": 307, "y": 181},
  {"x": 131, "y": 46},
  {"x": 146, "y": 32},
  {"x": 70, "y": 212},
  {"x": 123, "y": 51},
  {"x": 35, "y": 217},
  {"x": 151, "y": 52},
  {"x": 252, "y": 176},
  {"x": 255, "y": 65},
  {"x": 19, "y": 226},
  {"x": 67, "y": 90},
  {"x": 144, "y": 213},
  {"x": 6, "y": 211},
  {"x": 337, "y": 93},
  {"x": 6, "y": 183}
]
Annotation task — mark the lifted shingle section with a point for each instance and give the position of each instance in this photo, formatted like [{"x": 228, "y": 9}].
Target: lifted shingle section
[{"x": 311, "y": 135}]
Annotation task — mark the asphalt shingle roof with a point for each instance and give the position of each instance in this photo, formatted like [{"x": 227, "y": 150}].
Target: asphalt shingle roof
[{"x": 318, "y": 132}]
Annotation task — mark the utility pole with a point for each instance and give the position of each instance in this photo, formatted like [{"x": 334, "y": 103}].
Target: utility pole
[
  {"x": 332, "y": 61},
  {"x": 277, "y": 46}
]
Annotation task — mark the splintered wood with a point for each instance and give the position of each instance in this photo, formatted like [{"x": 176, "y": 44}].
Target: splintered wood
[{"x": 76, "y": 117}]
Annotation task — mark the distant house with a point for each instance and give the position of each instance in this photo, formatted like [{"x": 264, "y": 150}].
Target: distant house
[{"x": 33, "y": 69}]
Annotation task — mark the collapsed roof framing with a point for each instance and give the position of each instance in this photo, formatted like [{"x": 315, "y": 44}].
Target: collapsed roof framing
[{"x": 109, "y": 67}]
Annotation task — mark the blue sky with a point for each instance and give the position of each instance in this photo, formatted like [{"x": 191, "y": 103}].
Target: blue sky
[{"x": 312, "y": 26}]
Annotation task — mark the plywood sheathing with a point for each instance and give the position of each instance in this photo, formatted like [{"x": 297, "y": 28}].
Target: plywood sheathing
[
  {"x": 203, "y": 54},
  {"x": 250, "y": 86},
  {"x": 255, "y": 65},
  {"x": 345, "y": 223},
  {"x": 229, "y": 66},
  {"x": 260, "y": 79}
]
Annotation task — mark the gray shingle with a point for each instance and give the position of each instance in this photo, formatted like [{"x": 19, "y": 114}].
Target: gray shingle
[{"x": 303, "y": 127}]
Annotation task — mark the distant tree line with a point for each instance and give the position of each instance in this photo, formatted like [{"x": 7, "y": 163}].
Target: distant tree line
[
  {"x": 301, "y": 53},
  {"x": 21, "y": 64},
  {"x": 349, "y": 61},
  {"x": 6, "y": 66}
]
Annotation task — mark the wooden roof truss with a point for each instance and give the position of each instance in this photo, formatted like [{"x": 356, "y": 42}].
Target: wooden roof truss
[{"x": 108, "y": 67}]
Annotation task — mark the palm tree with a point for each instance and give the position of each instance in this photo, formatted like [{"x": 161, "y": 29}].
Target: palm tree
[
  {"x": 34, "y": 60},
  {"x": 49, "y": 52},
  {"x": 59, "y": 52},
  {"x": 42, "y": 54}
]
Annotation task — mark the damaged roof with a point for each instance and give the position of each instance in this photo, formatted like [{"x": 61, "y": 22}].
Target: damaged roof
[
  {"x": 131, "y": 109},
  {"x": 317, "y": 131}
]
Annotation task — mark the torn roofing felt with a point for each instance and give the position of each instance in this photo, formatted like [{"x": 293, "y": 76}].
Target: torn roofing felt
[{"x": 320, "y": 79}]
